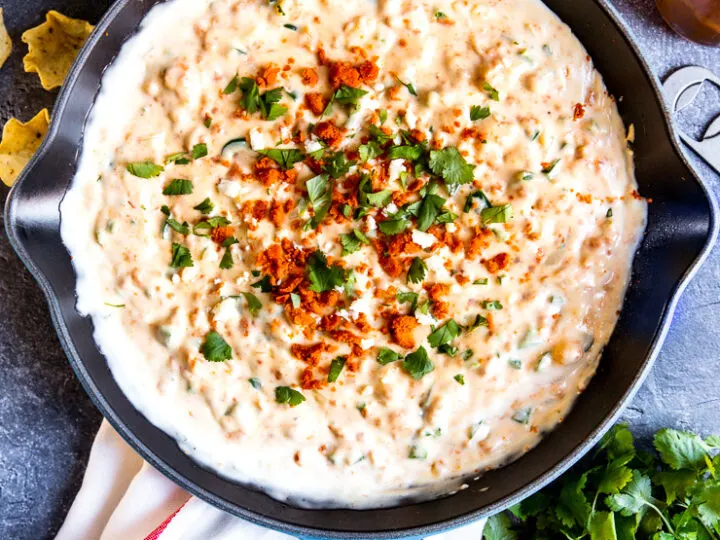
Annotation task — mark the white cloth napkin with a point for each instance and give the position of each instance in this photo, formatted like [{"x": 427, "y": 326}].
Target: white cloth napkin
[{"x": 124, "y": 498}]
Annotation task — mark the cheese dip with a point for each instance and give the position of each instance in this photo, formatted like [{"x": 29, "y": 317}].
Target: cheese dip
[{"x": 353, "y": 252}]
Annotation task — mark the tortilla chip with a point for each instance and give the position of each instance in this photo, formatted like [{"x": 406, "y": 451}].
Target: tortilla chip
[
  {"x": 53, "y": 47},
  {"x": 5, "y": 42},
  {"x": 19, "y": 143}
]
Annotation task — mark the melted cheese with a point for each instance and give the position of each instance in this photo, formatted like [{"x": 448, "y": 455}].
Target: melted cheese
[{"x": 375, "y": 435}]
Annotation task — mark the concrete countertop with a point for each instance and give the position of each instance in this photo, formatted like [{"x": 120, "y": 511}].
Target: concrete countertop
[{"x": 47, "y": 423}]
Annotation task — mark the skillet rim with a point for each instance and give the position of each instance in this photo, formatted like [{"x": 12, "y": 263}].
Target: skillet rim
[{"x": 99, "y": 400}]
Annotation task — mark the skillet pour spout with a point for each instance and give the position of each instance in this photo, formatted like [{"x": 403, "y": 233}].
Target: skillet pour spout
[{"x": 682, "y": 226}]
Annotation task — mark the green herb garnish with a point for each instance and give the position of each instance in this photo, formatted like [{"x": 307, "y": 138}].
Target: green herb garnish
[
  {"x": 289, "y": 396},
  {"x": 336, "y": 367},
  {"x": 417, "y": 271},
  {"x": 215, "y": 348},
  {"x": 181, "y": 257},
  {"x": 178, "y": 186},
  {"x": 418, "y": 364},
  {"x": 144, "y": 169}
]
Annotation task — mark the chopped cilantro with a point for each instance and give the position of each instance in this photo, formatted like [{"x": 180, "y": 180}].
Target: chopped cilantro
[
  {"x": 492, "y": 305},
  {"x": 250, "y": 94},
  {"x": 291, "y": 27},
  {"x": 479, "y": 113},
  {"x": 295, "y": 299},
  {"x": 337, "y": 165},
  {"x": 478, "y": 322},
  {"x": 347, "y": 95},
  {"x": 336, "y": 367},
  {"x": 144, "y": 169},
  {"x": 383, "y": 115},
  {"x": 181, "y": 228},
  {"x": 409, "y": 152},
  {"x": 497, "y": 214},
  {"x": 387, "y": 356},
  {"x": 440, "y": 15},
  {"x": 481, "y": 281},
  {"x": 227, "y": 261},
  {"x": 460, "y": 378},
  {"x": 205, "y": 207},
  {"x": 409, "y": 86},
  {"x": 451, "y": 166},
  {"x": 263, "y": 284},
  {"x": 232, "y": 85},
  {"x": 180, "y": 158},
  {"x": 204, "y": 228},
  {"x": 429, "y": 211},
  {"x": 323, "y": 277},
  {"x": 417, "y": 271},
  {"x": 255, "y": 383},
  {"x": 353, "y": 241},
  {"x": 199, "y": 151},
  {"x": 178, "y": 187},
  {"x": 253, "y": 304},
  {"x": 515, "y": 364},
  {"x": 181, "y": 257},
  {"x": 215, "y": 348},
  {"x": 285, "y": 157},
  {"x": 289, "y": 396},
  {"x": 379, "y": 199},
  {"x": 418, "y": 364},
  {"x": 391, "y": 227},
  {"x": 320, "y": 194},
  {"x": 416, "y": 452},
  {"x": 369, "y": 151},
  {"x": 444, "y": 334},
  {"x": 550, "y": 169},
  {"x": 208, "y": 121},
  {"x": 609, "y": 213},
  {"x": 491, "y": 92},
  {"x": 408, "y": 297}
]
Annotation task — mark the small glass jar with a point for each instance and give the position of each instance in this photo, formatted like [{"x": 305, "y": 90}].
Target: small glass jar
[{"x": 697, "y": 20}]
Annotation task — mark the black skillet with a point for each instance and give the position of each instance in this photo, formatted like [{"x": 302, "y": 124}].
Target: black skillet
[{"x": 681, "y": 228}]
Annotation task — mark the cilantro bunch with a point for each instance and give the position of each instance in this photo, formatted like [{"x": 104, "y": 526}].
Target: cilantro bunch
[{"x": 626, "y": 493}]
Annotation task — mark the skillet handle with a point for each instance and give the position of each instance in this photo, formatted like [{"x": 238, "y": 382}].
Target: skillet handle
[{"x": 680, "y": 89}]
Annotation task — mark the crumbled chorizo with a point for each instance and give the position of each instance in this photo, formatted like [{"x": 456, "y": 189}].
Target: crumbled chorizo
[
  {"x": 309, "y": 76},
  {"x": 316, "y": 102},
  {"x": 268, "y": 76},
  {"x": 311, "y": 354},
  {"x": 329, "y": 133},
  {"x": 402, "y": 328},
  {"x": 220, "y": 234},
  {"x": 497, "y": 263},
  {"x": 578, "y": 111}
]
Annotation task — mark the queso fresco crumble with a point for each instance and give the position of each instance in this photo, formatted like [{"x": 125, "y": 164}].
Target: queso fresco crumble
[{"x": 348, "y": 251}]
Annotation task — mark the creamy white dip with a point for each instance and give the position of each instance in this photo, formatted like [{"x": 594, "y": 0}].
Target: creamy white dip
[{"x": 466, "y": 317}]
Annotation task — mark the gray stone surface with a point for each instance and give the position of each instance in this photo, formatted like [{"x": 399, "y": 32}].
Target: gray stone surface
[{"x": 47, "y": 423}]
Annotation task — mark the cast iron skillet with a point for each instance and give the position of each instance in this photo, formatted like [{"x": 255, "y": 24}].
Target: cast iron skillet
[{"x": 681, "y": 228}]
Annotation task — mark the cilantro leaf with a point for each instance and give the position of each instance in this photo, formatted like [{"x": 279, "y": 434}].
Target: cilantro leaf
[
  {"x": 451, "y": 166},
  {"x": 200, "y": 150},
  {"x": 337, "y": 165},
  {"x": 479, "y": 113},
  {"x": 418, "y": 364},
  {"x": 320, "y": 194},
  {"x": 205, "y": 207},
  {"x": 573, "y": 507},
  {"x": 181, "y": 257},
  {"x": 215, "y": 348},
  {"x": 231, "y": 86},
  {"x": 285, "y": 157},
  {"x": 409, "y": 86},
  {"x": 336, "y": 367},
  {"x": 444, "y": 334},
  {"x": 634, "y": 497},
  {"x": 369, "y": 151},
  {"x": 353, "y": 241},
  {"x": 492, "y": 92},
  {"x": 497, "y": 214},
  {"x": 498, "y": 527},
  {"x": 289, "y": 396},
  {"x": 680, "y": 450},
  {"x": 379, "y": 199},
  {"x": 483, "y": 201},
  {"x": 250, "y": 100},
  {"x": 410, "y": 152},
  {"x": 675, "y": 483},
  {"x": 430, "y": 208},
  {"x": 602, "y": 526},
  {"x": 178, "y": 186},
  {"x": 181, "y": 228},
  {"x": 417, "y": 271},
  {"x": 144, "y": 169},
  {"x": 392, "y": 227},
  {"x": 264, "y": 285},
  {"x": 614, "y": 478},
  {"x": 387, "y": 356},
  {"x": 323, "y": 277},
  {"x": 347, "y": 95},
  {"x": 180, "y": 158}
]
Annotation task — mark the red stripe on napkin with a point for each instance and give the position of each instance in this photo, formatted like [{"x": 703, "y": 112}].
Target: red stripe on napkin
[{"x": 155, "y": 535}]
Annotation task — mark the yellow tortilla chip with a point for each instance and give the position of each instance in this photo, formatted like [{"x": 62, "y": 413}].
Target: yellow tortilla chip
[
  {"x": 5, "y": 42},
  {"x": 53, "y": 47},
  {"x": 19, "y": 143}
]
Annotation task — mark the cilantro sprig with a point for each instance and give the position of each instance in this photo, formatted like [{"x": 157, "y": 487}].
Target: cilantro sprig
[{"x": 626, "y": 493}]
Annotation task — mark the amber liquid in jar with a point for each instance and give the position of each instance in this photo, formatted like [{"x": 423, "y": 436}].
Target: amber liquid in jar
[{"x": 698, "y": 20}]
